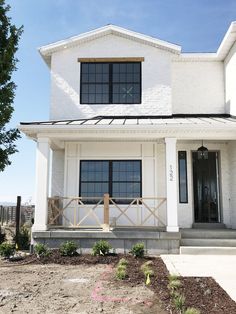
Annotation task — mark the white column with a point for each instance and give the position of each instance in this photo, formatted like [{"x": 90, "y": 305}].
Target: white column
[
  {"x": 171, "y": 185},
  {"x": 42, "y": 178}
]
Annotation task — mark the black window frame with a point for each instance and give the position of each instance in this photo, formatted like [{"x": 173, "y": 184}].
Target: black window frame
[
  {"x": 182, "y": 155},
  {"x": 118, "y": 200},
  {"x": 110, "y": 84}
]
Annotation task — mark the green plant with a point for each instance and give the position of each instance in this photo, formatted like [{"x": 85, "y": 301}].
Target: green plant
[
  {"x": 101, "y": 247},
  {"x": 7, "y": 249},
  {"x": 192, "y": 310},
  {"x": 146, "y": 265},
  {"x": 121, "y": 269},
  {"x": 179, "y": 301},
  {"x": 23, "y": 241},
  {"x": 41, "y": 250},
  {"x": 174, "y": 285},
  {"x": 123, "y": 261},
  {"x": 147, "y": 271},
  {"x": 137, "y": 250},
  {"x": 68, "y": 248},
  {"x": 121, "y": 274},
  {"x": 173, "y": 277}
]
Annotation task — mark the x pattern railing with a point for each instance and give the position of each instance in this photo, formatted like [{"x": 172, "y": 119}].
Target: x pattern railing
[{"x": 75, "y": 212}]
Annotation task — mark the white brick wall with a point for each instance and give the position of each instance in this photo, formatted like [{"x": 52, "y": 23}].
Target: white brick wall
[
  {"x": 156, "y": 79},
  {"x": 230, "y": 80},
  {"x": 167, "y": 86},
  {"x": 198, "y": 87}
]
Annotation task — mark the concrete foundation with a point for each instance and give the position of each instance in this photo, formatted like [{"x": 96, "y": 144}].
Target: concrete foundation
[{"x": 156, "y": 242}]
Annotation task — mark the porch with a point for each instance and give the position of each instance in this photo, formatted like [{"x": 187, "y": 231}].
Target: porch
[{"x": 160, "y": 197}]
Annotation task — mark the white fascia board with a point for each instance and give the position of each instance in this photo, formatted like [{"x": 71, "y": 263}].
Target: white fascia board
[
  {"x": 196, "y": 56},
  {"x": 46, "y": 51},
  {"x": 180, "y": 131},
  {"x": 227, "y": 42}
]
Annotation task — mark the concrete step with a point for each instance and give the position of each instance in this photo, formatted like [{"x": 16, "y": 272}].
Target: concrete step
[
  {"x": 207, "y": 250},
  {"x": 209, "y": 242},
  {"x": 205, "y": 225},
  {"x": 208, "y": 234}
]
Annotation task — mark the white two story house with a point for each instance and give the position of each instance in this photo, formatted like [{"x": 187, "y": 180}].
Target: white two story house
[{"x": 141, "y": 137}]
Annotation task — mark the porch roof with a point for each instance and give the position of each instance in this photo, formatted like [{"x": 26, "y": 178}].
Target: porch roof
[
  {"x": 182, "y": 126},
  {"x": 215, "y": 119}
]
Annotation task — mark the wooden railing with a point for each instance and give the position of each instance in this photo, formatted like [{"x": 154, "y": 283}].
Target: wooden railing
[{"x": 106, "y": 212}]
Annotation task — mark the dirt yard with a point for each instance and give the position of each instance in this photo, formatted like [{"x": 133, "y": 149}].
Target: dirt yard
[{"x": 71, "y": 289}]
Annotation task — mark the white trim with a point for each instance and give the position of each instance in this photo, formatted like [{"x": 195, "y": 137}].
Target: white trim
[{"x": 48, "y": 50}]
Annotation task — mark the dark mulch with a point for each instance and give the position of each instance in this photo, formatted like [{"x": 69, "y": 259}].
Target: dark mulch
[
  {"x": 202, "y": 293},
  {"x": 56, "y": 258}
]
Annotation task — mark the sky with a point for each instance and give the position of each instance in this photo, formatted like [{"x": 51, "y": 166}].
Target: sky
[{"x": 196, "y": 25}]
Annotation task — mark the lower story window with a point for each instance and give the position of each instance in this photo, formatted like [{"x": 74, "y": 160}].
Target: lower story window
[
  {"x": 183, "y": 183},
  {"x": 120, "y": 178}
]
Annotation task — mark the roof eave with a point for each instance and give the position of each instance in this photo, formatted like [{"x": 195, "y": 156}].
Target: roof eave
[
  {"x": 48, "y": 50},
  {"x": 227, "y": 42}
]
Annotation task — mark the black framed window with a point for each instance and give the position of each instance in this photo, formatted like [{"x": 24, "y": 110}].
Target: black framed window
[
  {"x": 183, "y": 181},
  {"x": 110, "y": 83},
  {"x": 119, "y": 178}
]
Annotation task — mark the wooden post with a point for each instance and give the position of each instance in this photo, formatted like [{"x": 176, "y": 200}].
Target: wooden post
[
  {"x": 106, "y": 226},
  {"x": 18, "y": 204}
]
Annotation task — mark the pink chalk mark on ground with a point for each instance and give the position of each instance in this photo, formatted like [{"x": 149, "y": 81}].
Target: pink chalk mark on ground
[{"x": 99, "y": 289}]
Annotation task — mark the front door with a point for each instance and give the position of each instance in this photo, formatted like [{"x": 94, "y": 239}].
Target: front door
[{"x": 206, "y": 188}]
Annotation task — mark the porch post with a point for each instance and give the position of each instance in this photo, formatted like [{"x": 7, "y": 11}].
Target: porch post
[
  {"x": 42, "y": 177},
  {"x": 171, "y": 185}
]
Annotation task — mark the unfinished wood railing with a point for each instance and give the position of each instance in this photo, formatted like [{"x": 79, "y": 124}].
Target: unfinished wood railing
[{"x": 106, "y": 212}]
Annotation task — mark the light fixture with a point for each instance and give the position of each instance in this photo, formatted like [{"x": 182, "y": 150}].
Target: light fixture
[{"x": 202, "y": 152}]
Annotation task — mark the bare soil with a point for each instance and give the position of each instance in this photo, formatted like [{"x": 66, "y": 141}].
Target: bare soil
[
  {"x": 84, "y": 289},
  {"x": 86, "y": 284}
]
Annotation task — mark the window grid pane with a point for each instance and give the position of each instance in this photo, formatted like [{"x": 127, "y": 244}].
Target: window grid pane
[
  {"x": 121, "y": 179},
  {"x": 117, "y": 83}
]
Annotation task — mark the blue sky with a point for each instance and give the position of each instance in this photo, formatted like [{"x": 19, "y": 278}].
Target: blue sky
[{"x": 196, "y": 25}]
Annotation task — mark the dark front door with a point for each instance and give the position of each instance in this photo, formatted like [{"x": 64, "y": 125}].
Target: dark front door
[{"x": 206, "y": 188}]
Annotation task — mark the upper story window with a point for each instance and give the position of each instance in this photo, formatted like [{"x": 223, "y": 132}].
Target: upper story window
[{"x": 110, "y": 83}]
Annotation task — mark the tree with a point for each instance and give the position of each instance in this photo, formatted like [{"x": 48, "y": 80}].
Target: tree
[{"x": 9, "y": 38}]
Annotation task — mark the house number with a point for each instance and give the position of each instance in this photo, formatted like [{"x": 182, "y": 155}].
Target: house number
[{"x": 171, "y": 173}]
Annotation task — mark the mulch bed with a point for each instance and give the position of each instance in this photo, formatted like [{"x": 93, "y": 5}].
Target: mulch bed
[{"x": 202, "y": 293}]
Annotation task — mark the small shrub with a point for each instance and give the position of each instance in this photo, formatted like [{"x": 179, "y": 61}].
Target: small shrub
[
  {"x": 101, "y": 247},
  {"x": 146, "y": 265},
  {"x": 23, "y": 239},
  {"x": 192, "y": 310},
  {"x": 68, "y": 248},
  {"x": 123, "y": 261},
  {"x": 2, "y": 236},
  {"x": 121, "y": 274},
  {"x": 179, "y": 301},
  {"x": 174, "y": 285},
  {"x": 148, "y": 272},
  {"x": 7, "y": 249},
  {"x": 41, "y": 250},
  {"x": 138, "y": 250},
  {"x": 173, "y": 277},
  {"x": 121, "y": 269}
]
